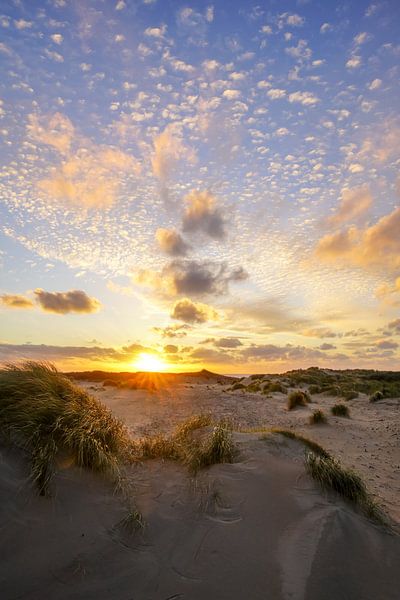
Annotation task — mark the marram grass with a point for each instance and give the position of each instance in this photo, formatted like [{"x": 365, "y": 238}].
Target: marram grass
[
  {"x": 330, "y": 474},
  {"x": 44, "y": 413}
]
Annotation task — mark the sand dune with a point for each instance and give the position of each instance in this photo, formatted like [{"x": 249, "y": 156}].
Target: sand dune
[{"x": 258, "y": 528}]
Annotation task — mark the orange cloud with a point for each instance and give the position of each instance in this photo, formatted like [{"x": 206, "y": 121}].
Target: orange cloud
[
  {"x": 88, "y": 175},
  {"x": 202, "y": 214},
  {"x": 191, "y": 312},
  {"x": 378, "y": 245},
  {"x": 171, "y": 242},
  {"x": 16, "y": 301},
  {"x": 354, "y": 203},
  {"x": 75, "y": 301},
  {"x": 169, "y": 149}
]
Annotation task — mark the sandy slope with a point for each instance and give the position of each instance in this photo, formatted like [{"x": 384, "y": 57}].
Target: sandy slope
[
  {"x": 369, "y": 441},
  {"x": 256, "y": 529}
]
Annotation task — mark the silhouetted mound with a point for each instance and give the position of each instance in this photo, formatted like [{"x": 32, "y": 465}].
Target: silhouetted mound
[{"x": 148, "y": 380}]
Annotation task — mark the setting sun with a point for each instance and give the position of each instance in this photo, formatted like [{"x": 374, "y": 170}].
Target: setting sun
[{"x": 149, "y": 362}]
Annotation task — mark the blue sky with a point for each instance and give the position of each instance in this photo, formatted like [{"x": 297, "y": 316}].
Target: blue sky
[{"x": 214, "y": 184}]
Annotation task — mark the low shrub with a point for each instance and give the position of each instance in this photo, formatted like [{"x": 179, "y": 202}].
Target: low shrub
[
  {"x": 350, "y": 395},
  {"x": 238, "y": 386},
  {"x": 317, "y": 417},
  {"x": 297, "y": 398},
  {"x": 378, "y": 395},
  {"x": 340, "y": 410}
]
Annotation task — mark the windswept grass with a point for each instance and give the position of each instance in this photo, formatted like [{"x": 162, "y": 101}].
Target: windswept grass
[
  {"x": 310, "y": 444},
  {"x": 44, "y": 413},
  {"x": 330, "y": 474},
  {"x": 189, "y": 446},
  {"x": 340, "y": 410},
  {"x": 378, "y": 395},
  {"x": 297, "y": 398}
]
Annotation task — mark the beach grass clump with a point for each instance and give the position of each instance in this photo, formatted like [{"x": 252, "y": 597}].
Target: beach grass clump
[
  {"x": 297, "y": 398},
  {"x": 275, "y": 386},
  {"x": 314, "y": 389},
  {"x": 330, "y": 474},
  {"x": 216, "y": 448},
  {"x": 310, "y": 444},
  {"x": 45, "y": 414},
  {"x": 340, "y": 410},
  {"x": 318, "y": 417},
  {"x": 238, "y": 386},
  {"x": 378, "y": 395}
]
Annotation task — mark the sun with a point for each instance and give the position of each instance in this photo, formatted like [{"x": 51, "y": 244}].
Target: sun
[{"x": 149, "y": 362}]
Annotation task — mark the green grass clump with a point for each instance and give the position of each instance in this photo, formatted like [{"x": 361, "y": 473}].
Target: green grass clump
[
  {"x": 297, "y": 398},
  {"x": 378, "y": 395},
  {"x": 254, "y": 387},
  {"x": 194, "y": 451},
  {"x": 318, "y": 417},
  {"x": 340, "y": 410},
  {"x": 44, "y": 413},
  {"x": 238, "y": 386},
  {"x": 292, "y": 435},
  {"x": 275, "y": 386},
  {"x": 314, "y": 389},
  {"x": 330, "y": 474}
]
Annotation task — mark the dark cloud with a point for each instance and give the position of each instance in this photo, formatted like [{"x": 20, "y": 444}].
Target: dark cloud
[
  {"x": 199, "y": 278},
  {"x": 211, "y": 355},
  {"x": 16, "y": 301},
  {"x": 228, "y": 342},
  {"x": 75, "y": 301},
  {"x": 171, "y": 242},
  {"x": 386, "y": 345},
  {"x": 203, "y": 215},
  {"x": 395, "y": 325},
  {"x": 171, "y": 349},
  {"x": 191, "y": 312},
  {"x": 271, "y": 352},
  {"x": 327, "y": 347}
]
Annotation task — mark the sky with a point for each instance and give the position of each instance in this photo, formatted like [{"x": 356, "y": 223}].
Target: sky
[{"x": 200, "y": 185}]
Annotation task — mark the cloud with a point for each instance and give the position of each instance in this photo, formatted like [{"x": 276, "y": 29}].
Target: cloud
[
  {"x": 377, "y": 245},
  {"x": 228, "y": 342},
  {"x": 319, "y": 332},
  {"x": 395, "y": 325},
  {"x": 173, "y": 331},
  {"x": 354, "y": 62},
  {"x": 191, "y": 312},
  {"x": 75, "y": 301},
  {"x": 276, "y": 93},
  {"x": 171, "y": 242},
  {"x": 326, "y": 346},
  {"x": 55, "y": 130},
  {"x": 169, "y": 150},
  {"x": 272, "y": 352},
  {"x": 88, "y": 175},
  {"x": 353, "y": 204},
  {"x": 305, "y": 98},
  {"x": 192, "y": 278},
  {"x": 16, "y": 301},
  {"x": 202, "y": 214}
]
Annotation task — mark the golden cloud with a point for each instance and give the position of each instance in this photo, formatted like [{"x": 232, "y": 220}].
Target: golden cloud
[
  {"x": 378, "y": 245},
  {"x": 354, "y": 203},
  {"x": 16, "y": 301},
  {"x": 191, "y": 312},
  {"x": 75, "y": 301},
  {"x": 202, "y": 214},
  {"x": 169, "y": 149},
  {"x": 171, "y": 242}
]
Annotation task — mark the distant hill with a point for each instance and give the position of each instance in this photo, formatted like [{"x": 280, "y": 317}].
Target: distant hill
[{"x": 202, "y": 376}]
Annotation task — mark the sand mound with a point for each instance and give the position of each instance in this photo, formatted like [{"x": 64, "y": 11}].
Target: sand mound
[{"x": 259, "y": 528}]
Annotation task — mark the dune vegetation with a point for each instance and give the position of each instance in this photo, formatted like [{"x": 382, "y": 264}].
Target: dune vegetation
[
  {"x": 46, "y": 415},
  {"x": 297, "y": 398}
]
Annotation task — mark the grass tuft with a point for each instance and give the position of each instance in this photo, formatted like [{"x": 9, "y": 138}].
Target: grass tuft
[
  {"x": 378, "y": 395},
  {"x": 317, "y": 417},
  {"x": 44, "y": 413},
  {"x": 297, "y": 398},
  {"x": 332, "y": 475},
  {"x": 340, "y": 410},
  {"x": 316, "y": 448}
]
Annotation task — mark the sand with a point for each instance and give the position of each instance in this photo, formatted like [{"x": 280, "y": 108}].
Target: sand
[
  {"x": 368, "y": 442},
  {"x": 259, "y": 528}
]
